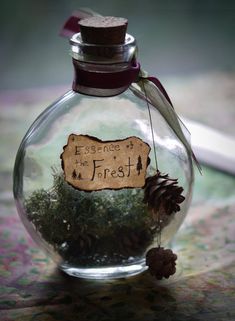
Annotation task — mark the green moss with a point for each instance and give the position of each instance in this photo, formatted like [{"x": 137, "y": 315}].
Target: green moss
[{"x": 91, "y": 227}]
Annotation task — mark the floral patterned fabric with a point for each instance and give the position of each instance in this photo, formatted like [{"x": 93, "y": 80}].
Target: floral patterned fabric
[{"x": 32, "y": 288}]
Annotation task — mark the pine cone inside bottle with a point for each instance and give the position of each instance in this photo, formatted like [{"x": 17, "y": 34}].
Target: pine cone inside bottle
[
  {"x": 82, "y": 244},
  {"x": 163, "y": 192},
  {"x": 161, "y": 262},
  {"x": 132, "y": 241}
]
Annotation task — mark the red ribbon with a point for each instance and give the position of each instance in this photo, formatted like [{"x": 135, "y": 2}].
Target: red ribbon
[
  {"x": 112, "y": 80},
  {"x": 105, "y": 80},
  {"x": 71, "y": 25}
]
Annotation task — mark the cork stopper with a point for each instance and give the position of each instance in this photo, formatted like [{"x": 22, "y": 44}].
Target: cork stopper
[{"x": 103, "y": 30}]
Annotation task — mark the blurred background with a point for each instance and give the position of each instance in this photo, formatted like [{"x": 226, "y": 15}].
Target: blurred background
[
  {"x": 176, "y": 38},
  {"x": 190, "y": 46}
]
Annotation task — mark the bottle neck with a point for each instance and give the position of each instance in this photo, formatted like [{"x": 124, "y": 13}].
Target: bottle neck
[{"x": 103, "y": 70}]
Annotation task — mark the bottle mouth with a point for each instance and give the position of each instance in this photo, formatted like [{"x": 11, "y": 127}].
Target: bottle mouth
[{"x": 103, "y": 54}]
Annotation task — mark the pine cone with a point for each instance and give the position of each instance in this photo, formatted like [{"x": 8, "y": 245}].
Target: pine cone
[
  {"x": 161, "y": 262},
  {"x": 161, "y": 191}
]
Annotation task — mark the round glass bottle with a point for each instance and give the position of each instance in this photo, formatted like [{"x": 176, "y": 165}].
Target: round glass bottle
[{"x": 102, "y": 233}]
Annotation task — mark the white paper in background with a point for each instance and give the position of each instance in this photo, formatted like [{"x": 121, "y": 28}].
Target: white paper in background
[{"x": 212, "y": 147}]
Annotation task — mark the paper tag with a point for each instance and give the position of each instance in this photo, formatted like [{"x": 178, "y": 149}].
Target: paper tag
[{"x": 91, "y": 164}]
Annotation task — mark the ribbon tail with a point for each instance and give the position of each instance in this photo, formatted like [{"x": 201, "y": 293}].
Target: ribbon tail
[
  {"x": 71, "y": 25},
  {"x": 160, "y": 87},
  {"x": 158, "y": 99},
  {"x": 196, "y": 162},
  {"x": 188, "y": 138}
]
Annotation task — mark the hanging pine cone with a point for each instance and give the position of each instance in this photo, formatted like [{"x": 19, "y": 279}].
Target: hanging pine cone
[
  {"x": 161, "y": 191},
  {"x": 161, "y": 262}
]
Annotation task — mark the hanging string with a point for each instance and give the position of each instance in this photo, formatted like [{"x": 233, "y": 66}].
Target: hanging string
[
  {"x": 151, "y": 125},
  {"x": 158, "y": 228}
]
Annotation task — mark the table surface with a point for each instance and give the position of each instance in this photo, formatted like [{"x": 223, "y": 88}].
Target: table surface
[{"x": 31, "y": 286}]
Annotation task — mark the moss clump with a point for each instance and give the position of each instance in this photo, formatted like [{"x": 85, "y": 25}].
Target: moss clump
[{"x": 91, "y": 228}]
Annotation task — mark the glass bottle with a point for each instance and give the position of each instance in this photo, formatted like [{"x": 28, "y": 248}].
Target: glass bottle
[{"x": 101, "y": 233}]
